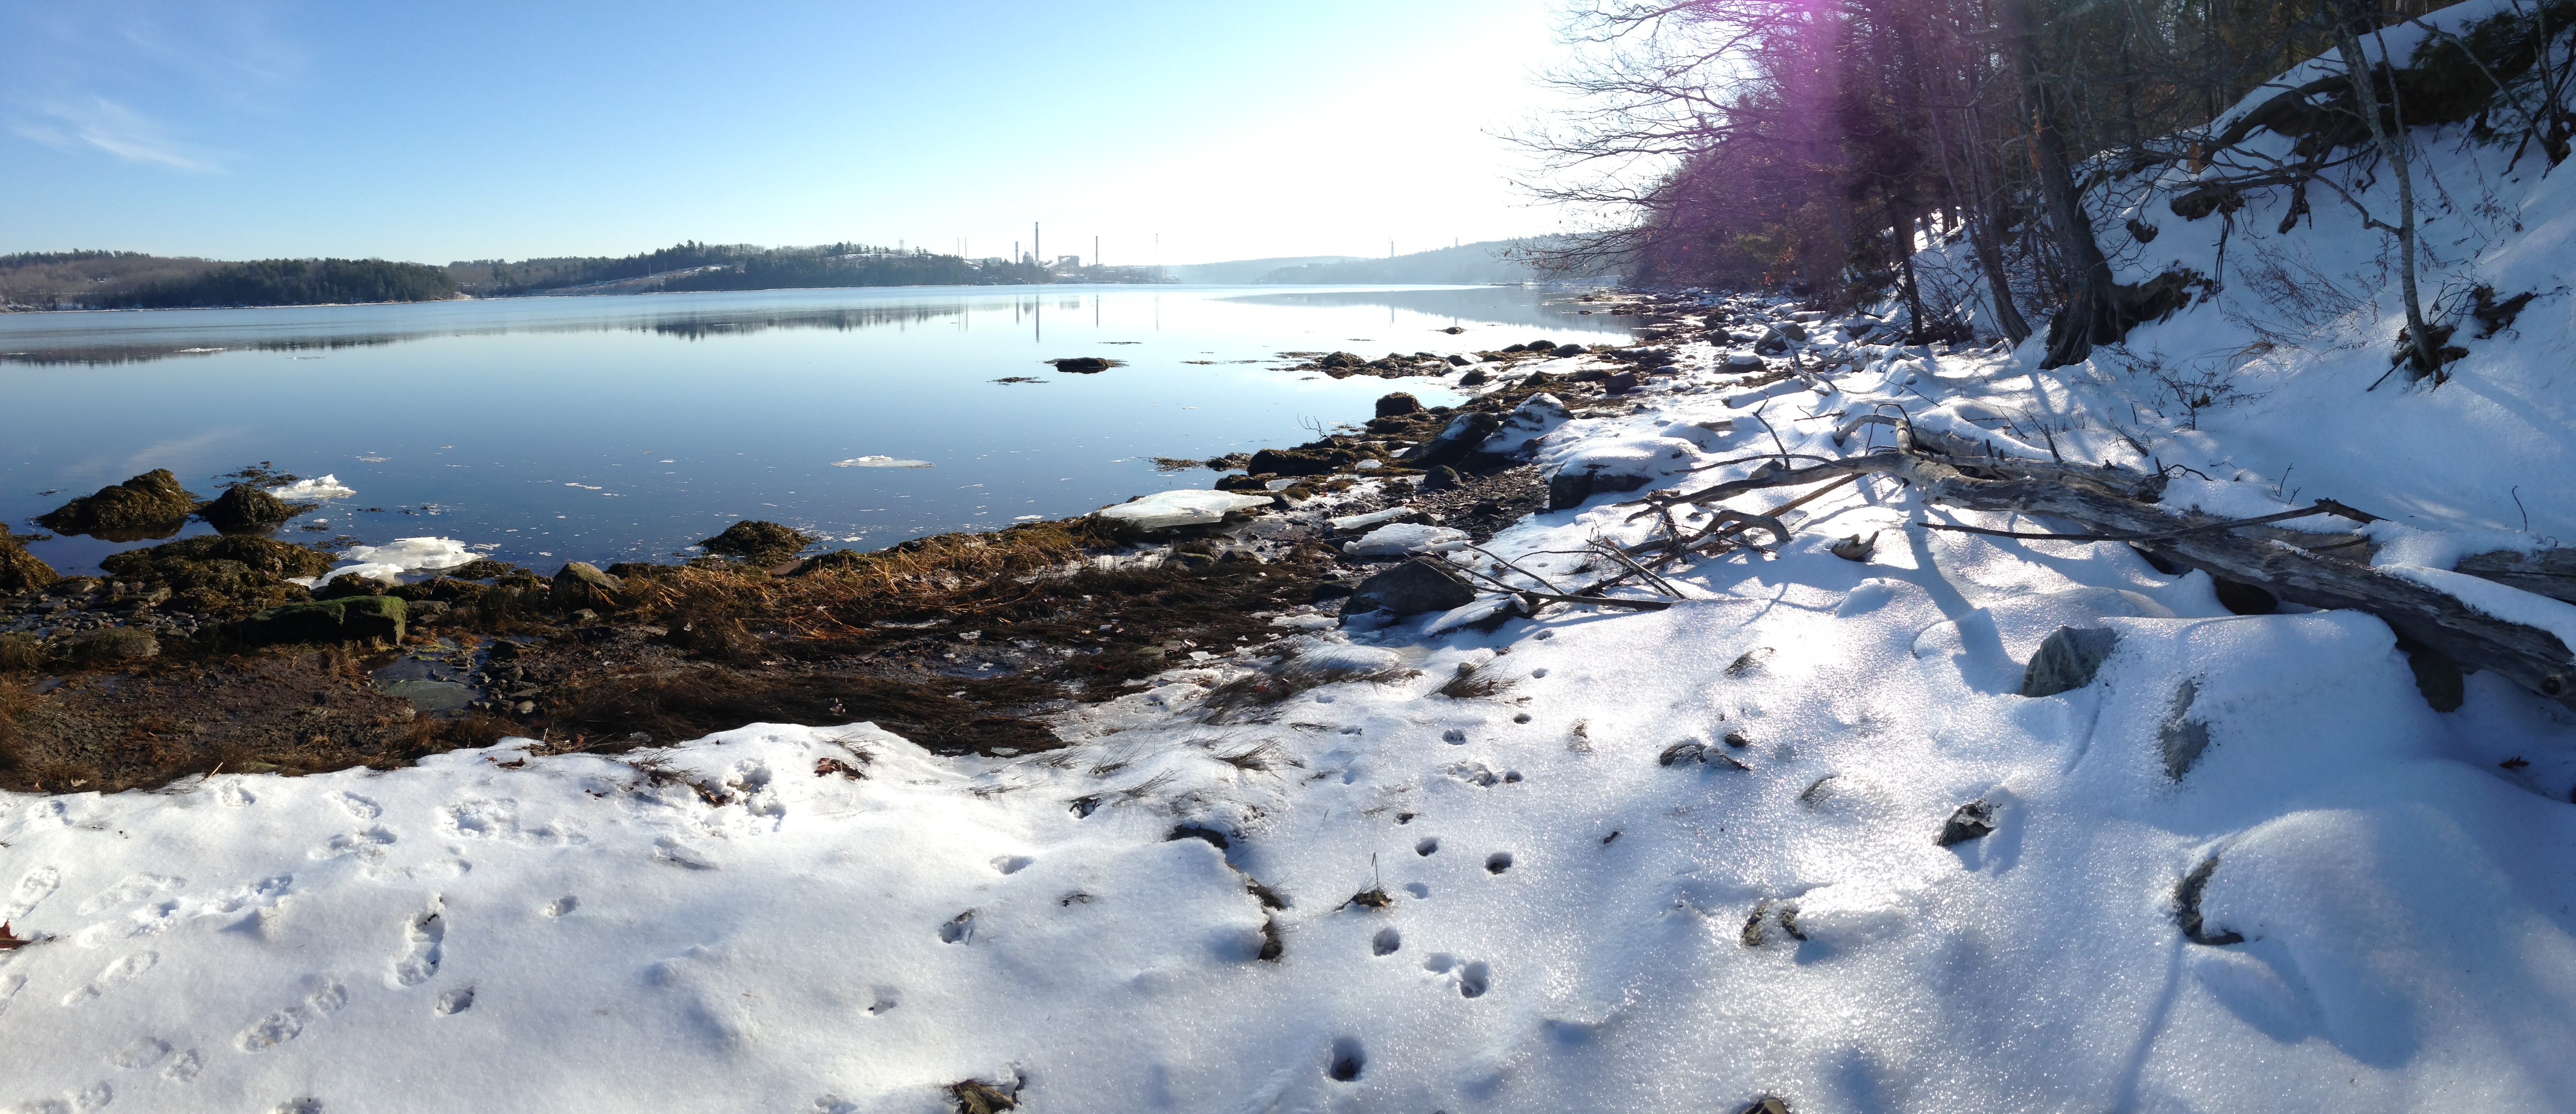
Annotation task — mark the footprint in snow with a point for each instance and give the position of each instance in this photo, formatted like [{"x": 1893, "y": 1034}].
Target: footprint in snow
[
  {"x": 134, "y": 888},
  {"x": 143, "y": 1053},
  {"x": 1386, "y": 942},
  {"x": 289, "y": 1023},
  {"x": 424, "y": 946},
  {"x": 455, "y": 1001},
  {"x": 33, "y": 887},
  {"x": 561, "y": 906},
  {"x": 358, "y": 807},
  {"x": 116, "y": 974}
]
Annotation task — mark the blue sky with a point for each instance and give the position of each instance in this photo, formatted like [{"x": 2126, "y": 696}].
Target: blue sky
[{"x": 459, "y": 130}]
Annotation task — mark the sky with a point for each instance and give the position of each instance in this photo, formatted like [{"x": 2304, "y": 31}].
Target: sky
[{"x": 439, "y": 132}]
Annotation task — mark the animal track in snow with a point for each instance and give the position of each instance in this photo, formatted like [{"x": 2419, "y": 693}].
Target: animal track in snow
[
  {"x": 1474, "y": 979},
  {"x": 959, "y": 930},
  {"x": 116, "y": 974},
  {"x": 185, "y": 1067},
  {"x": 1427, "y": 846},
  {"x": 424, "y": 945},
  {"x": 1417, "y": 889},
  {"x": 233, "y": 794},
  {"x": 287, "y": 1024},
  {"x": 455, "y": 1001},
  {"x": 1011, "y": 864},
  {"x": 10, "y": 985},
  {"x": 1498, "y": 862},
  {"x": 358, "y": 807},
  {"x": 135, "y": 887},
  {"x": 676, "y": 853},
  {"x": 1348, "y": 1060},
  {"x": 33, "y": 887},
  {"x": 368, "y": 845},
  {"x": 143, "y": 1053},
  {"x": 887, "y": 998},
  {"x": 561, "y": 906},
  {"x": 1385, "y": 942}
]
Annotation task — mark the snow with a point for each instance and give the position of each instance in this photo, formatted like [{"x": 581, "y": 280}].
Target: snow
[
  {"x": 1167, "y": 509},
  {"x": 1674, "y": 859},
  {"x": 319, "y": 487},
  {"x": 880, "y": 462}
]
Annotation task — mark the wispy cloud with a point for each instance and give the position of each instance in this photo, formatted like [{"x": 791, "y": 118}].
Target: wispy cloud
[{"x": 100, "y": 124}]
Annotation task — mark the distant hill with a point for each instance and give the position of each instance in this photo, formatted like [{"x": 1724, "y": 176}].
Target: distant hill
[
  {"x": 85, "y": 279},
  {"x": 1465, "y": 265},
  {"x": 292, "y": 282},
  {"x": 1239, "y": 271}
]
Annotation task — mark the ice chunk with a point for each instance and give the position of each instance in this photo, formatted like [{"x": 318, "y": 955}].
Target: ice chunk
[
  {"x": 319, "y": 487},
  {"x": 1164, "y": 510},
  {"x": 389, "y": 561},
  {"x": 1352, "y": 522},
  {"x": 880, "y": 462},
  {"x": 1406, "y": 537},
  {"x": 1532, "y": 419}
]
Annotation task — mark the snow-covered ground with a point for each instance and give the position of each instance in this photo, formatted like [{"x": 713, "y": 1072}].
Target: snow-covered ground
[{"x": 1677, "y": 859}]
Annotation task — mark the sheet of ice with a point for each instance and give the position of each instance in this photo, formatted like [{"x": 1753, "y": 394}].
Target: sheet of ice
[
  {"x": 318, "y": 487},
  {"x": 389, "y": 561},
  {"x": 880, "y": 462},
  {"x": 1348, "y": 523},
  {"x": 1401, "y": 538},
  {"x": 1187, "y": 507}
]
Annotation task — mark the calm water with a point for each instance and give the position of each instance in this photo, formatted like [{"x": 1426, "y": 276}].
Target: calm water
[{"x": 626, "y": 428}]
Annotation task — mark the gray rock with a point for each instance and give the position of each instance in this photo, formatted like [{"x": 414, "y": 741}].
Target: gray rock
[
  {"x": 1407, "y": 589},
  {"x": 580, "y": 585},
  {"x": 1390, "y": 405},
  {"x": 2180, "y": 737},
  {"x": 1974, "y": 820},
  {"x": 2068, "y": 660}
]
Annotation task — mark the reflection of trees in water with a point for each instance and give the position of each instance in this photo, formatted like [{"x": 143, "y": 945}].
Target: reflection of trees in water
[
  {"x": 688, "y": 326},
  {"x": 105, "y": 355},
  {"x": 1499, "y": 305},
  {"x": 841, "y": 319}
]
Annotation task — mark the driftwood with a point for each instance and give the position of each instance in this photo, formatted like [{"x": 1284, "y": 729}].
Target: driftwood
[{"x": 2116, "y": 504}]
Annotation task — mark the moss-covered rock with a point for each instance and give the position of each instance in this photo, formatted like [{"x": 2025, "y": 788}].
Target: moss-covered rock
[
  {"x": 151, "y": 500},
  {"x": 349, "y": 584},
  {"x": 114, "y": 646},
  {"x": 350, "y": 619},
  {"x": 580, "y": 584},
  {"x": 21, "y": 571},
  {"x": 1311, "y": 461},
  {"x": 223, "y": 575},
  {"x": 760, "y": 543},
  {"x": 245, "y": 507}
]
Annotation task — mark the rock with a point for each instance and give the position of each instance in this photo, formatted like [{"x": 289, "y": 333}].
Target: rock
[
  {"x": 1570, "y": 487},
  {"x": 1541, "y": 345},
  {"x": 347, "y": 584},
  {"x": 760, "y": 543},
  {"x": 1565, "y": 350},
  {"x": 1452, "y": 330},
  {"x": 1464, "y": 433},
  {"x": 21, "y": 571},
  {"x": 1084, "y": 365},
  {"x": 2068, "y": 660},
  {"x": 1252, "y": 483},
  {"x": 114, "y": 646},
  {"x": 1475, "y": 377},
  {"x": 353, "y": 619},
  {"x": 1302, "y": 462},
  {"x": 151, "y": 500},
  {"x": 1407, "y": 589},
  {"x": 245, "y": 507},
  {"x": 1535, "y": 417},
  {"x": 1389, "y": 406},
  {"x": 1172, "y": 509},
  {"x": 1772, "y": 342},
  {"x": 1460, "y": 360},
  {"x": 1744, "y": 361},
  {"x": 1341, "y": 361},
  {"x": 1858, "y": 548},
  {"x": 2187, "y": 908},
  {"x": 581, "y": 585},
  {"x": 1973, "y": 820},
  {"x": 1620, "y": 384},
  {"x": 1442, "y": 478}
]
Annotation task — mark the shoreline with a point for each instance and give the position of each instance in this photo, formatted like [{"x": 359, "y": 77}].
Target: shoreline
[{"x": 590, "y": 679}]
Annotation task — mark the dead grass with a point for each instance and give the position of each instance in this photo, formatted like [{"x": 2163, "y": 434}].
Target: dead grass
[
  {"x": 603, "y": 713},
  {"x": 1472, "y": 683}
]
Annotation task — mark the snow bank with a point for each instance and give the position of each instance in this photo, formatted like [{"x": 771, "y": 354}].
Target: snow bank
[{"x": 389, "y": 561}]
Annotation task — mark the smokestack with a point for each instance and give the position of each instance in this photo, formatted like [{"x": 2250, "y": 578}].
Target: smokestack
[{"x": 1037, "y": 246}]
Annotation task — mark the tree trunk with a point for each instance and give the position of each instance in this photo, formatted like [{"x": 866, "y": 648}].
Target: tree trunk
[
  {"x": 2425, "y": 349},
  {"x": 2093, "y": 311}
]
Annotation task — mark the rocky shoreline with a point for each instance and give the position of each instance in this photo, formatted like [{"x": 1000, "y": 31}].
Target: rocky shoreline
[{"x": 205, "y": 653}]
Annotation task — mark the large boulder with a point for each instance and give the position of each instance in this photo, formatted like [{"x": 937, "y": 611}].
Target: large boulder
[
  {"x": 1463, "y": 434},
  {"x": 1410, "y": 588},
  {"x": 580, "y": 584},
  {"x": 147, "y": 502},
  {"x": 1084, "y": 365},
  {"x": 760, "y": 543},
  {"x": 21, "y": 571},
  {"x": 1301, "y": 462},
  {"x": 351, "y": 619},
  {"x": 245, "y": 507},
  {"x": 1389, "y": 406}
]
